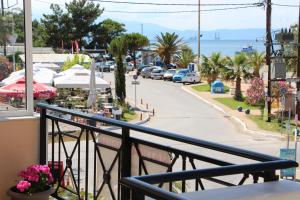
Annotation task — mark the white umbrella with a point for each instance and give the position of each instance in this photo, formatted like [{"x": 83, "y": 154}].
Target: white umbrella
[
  {"x": 40, "y": 75},
  {"x": 79, "y": 80},
  {"x": 92, "y": 94},
  {"x": 51, "y": 66},
  {"x": 73, "y": 70}
]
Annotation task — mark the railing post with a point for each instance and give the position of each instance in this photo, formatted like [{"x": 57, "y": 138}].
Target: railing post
[
  {"x": 137, "y": 195},
  {"x": 43, "y": 137},
  {"x": 270, "y": 176},
  {"x": 125, "y": 161}
]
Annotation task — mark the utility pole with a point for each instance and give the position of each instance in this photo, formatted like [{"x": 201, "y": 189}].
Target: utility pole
[
  {"x": 268, "y": 54},
  {"x": 298, "y": 65},
  {"x": 142, "y": 29},
  {"x": 199, "y": 33},
  {"x": 4, "y": 42}
]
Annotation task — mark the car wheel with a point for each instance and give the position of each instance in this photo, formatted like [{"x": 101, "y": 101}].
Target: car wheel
[{"x": 194, "y": 82}]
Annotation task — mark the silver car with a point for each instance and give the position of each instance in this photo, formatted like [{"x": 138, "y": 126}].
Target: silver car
[
  {"x": 146, "y": 72},
  {"x": 157, "y": 73}
]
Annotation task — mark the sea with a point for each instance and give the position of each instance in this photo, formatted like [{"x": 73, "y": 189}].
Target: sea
[{"x": 226, "y": 47}]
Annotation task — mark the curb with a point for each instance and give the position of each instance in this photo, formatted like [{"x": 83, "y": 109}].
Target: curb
[
  {"x": 136, "y": 123},
  {"x": 236, "y": 119}
]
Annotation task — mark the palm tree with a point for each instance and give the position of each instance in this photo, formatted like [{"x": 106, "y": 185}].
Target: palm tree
[
  {"x": 236, "y": 69},
  {"x": 185, "y": 57},
  {"x": 167, "y": 45},
  {"x": 212, "y": 66},
  {"x": 256, "y": 60},
  {"x": 118, "y": 48}
]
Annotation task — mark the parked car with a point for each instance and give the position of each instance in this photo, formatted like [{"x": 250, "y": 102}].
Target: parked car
[
  {"x": 101, "y": 66},
  {"x": 146, "y": 72},
  {"x": 168, "y": 75},
  {"x": 179, "y": 75},
  {"x": 157, "y": 73},
  {"x": 141, "y": 67},
  {"x": 111, "y": 64},
  {"x": 191, "y": 77},
  {"x": 129, "y": 67}
]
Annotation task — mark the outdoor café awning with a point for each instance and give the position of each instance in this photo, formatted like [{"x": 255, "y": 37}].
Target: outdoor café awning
[
  {"x": 79, "y": 80},
  {"x": 17, "y": 90},
  {"x": 40, "y": 75}
]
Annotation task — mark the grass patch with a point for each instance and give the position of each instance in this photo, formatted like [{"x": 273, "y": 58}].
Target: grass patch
[
  {"x": 206, "y": 88},
  {"x": 129, "y": 116},
  {"x": 272, "y": 126},
  {"x": 233, "y": 104}
]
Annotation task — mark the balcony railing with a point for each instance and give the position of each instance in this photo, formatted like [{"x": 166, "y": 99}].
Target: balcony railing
[{"x": 135, "y": 161}]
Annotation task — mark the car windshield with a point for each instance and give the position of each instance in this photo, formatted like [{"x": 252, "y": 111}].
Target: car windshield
[
  {"x": 156, "y": 70},
  {"x": 171, "y": 71},
  {"x": 183, "y": 72},
  {"x": 146, "y": 69}
]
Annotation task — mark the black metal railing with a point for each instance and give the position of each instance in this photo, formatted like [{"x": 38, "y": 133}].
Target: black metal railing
[{"x": 88, "y": 157}]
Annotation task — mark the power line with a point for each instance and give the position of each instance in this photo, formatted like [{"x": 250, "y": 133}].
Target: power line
[
  {"x": 172, "y": 12},
  {"x": 176, "y": 4},
  {"x": 180, "y": 11},
  {"x": 285, "y": 5}
]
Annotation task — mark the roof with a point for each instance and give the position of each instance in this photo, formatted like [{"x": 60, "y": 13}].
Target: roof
[
  {"x": 20, "y": 48},
  {"x": 54, "y": 58}
]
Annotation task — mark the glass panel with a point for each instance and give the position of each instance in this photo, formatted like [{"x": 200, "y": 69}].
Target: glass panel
[{"x": 12, "y": 56}]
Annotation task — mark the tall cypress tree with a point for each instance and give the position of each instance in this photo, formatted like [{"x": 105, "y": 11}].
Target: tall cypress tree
[{"x": 118, "y": 48}]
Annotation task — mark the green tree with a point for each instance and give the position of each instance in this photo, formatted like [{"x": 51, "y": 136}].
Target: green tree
[
  {"x": 83, "y": 15},
  {"x": 135, "y": 42},
  {"x": 39, "y": 36},
  {"x": 58, "y": 28},
  {"x": 118, "y": 48},
  {"x": 4, "y": 31},
  {"x": 256, "y": 60},
  {"x": 212, "y": 66},
  {"x": 77, "y": 59},
  {"x": 167, "y": 46},
  {"x": 104, "y": 32},
  {"x": 290, "y": 51},
  {"x": 186, "y": 56},
  {"x": 236, "y": 69}
]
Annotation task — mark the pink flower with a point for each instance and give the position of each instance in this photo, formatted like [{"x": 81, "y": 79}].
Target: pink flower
[{"x": 23, "y": 185}]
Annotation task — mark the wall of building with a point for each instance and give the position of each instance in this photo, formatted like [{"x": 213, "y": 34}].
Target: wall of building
[{"x": 19, "y": 146}]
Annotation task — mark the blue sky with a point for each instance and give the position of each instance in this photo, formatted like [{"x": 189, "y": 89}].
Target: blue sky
[{"x": 234, "y": 19}]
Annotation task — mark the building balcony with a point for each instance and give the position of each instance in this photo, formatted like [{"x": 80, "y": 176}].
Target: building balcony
[{"x": 100, "y": 158}]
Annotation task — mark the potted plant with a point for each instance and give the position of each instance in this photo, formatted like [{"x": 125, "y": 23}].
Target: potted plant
[{"x": 35, "y": 184}]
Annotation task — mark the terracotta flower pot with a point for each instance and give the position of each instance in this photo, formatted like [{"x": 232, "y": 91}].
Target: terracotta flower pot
[{"x": 15, "y": 195}]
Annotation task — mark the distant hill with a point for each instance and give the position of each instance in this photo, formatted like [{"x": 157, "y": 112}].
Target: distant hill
[{"x": 151, "y": 30}]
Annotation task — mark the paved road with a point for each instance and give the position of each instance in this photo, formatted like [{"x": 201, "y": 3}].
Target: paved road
[{"x": 183, "y": 113}]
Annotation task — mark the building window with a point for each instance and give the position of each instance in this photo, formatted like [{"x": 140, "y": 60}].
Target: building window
[{"x": 16, "y": 93}]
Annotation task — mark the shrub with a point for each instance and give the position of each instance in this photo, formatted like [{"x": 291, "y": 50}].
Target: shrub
[{"x": 255, "y": 93}]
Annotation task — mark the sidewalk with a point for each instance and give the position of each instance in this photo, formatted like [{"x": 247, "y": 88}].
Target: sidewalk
[{"x": 237, "y": 117}]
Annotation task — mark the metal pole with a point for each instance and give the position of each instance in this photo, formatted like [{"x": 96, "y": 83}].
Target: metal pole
[
  {"x": 268, "y": 53},
  {"x": 135, "y": 95},
  {"x": 13, "y": 33},
  {"x": 298, "y": 65},
  {"x": 2, "y": 13},
  {"x": 199, "y": 32}
]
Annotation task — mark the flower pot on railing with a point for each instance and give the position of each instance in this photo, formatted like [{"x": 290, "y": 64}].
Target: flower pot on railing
[
  {"x": 35, "y": 184},
  {"x": 16, "y": 195}
]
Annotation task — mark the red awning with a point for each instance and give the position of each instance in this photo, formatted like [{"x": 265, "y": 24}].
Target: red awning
[{"x": 40, "y": 91}]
